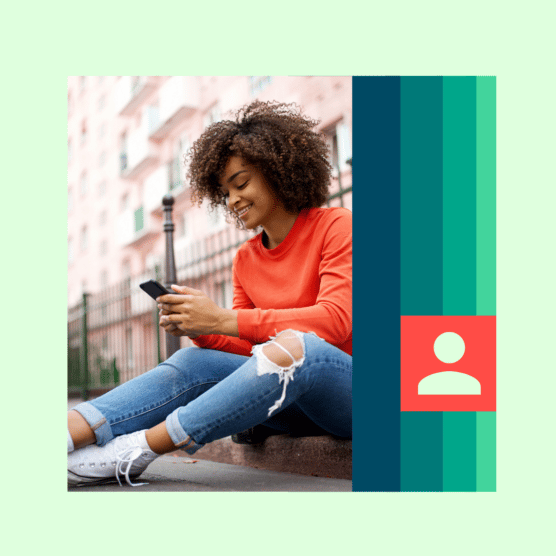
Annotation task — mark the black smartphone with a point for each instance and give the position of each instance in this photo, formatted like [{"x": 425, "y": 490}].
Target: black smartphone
[{"x": 154, "y": 289}]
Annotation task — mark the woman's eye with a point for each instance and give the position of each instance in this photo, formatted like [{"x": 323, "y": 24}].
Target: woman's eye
[{"x": 242, "y": 185}]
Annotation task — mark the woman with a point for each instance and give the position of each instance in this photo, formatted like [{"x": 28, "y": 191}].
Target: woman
[{"x": 282, "y": 355}]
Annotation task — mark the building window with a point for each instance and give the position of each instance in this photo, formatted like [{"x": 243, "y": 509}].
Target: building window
[
  {"x": 216, "y": 219},
  {"x": 123, "y": 153},
  {"x": 224, "y": 294},
  {"x": 174, "y": 174},
  {"x": 182, "y": 226},
  {"x": 136, "y": 82},
  {"x": 176, "y": 167},
  {"x": 124, "y": 204},
  {"x": 212, "y": 116},
  {"x": 102, "y": 130},
  {"x": 139, "y": 221},
  {"x": 338, "y": 137},
  {"x": 71, "y": 253},
  {"x": 83, "y": 131},
  {"x": 82, "y": 83},
  {"x": 258, "y": 83},
  {"x": 126, "y": 270},
  {"x": 102, "y": 218},
  {"x": 102, "y": 188},
  {"x": 102, "y": 159},
  {"x": 103, "y": 279},
  {"x": 153, "y": 117},
  {"x": 183, "y": 148},
  {"x": 101, "y": 102},
  {"x": 103, "y": 248},
  {"x": 129, "y": 347},
  {"x": 83, "y": 184},
  {"x": 84, "y": 239}
]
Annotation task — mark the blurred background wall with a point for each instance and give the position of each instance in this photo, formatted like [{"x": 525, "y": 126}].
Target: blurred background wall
[{"x": 126, "y": 140}]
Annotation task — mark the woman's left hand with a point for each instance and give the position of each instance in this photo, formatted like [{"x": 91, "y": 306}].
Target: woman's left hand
[{"x": 191, "y": 311}]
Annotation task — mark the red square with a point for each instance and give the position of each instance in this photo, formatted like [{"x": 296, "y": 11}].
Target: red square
[{"x": 474, "y": 371}]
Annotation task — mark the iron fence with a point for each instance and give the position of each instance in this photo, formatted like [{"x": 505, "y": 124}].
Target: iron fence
[{"x": 113, "y": 335}]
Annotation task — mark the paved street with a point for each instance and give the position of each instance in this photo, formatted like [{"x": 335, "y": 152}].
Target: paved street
[{"x": 181, "y": 474}]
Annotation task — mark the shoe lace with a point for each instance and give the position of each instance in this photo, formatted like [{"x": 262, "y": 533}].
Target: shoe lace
[{"x": 127, "y": 456}]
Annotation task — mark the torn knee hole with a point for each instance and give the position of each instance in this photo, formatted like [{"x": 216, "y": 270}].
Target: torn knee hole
[
  {"x": 285, "y": 351},
  {"x": 281, "y": 356}
]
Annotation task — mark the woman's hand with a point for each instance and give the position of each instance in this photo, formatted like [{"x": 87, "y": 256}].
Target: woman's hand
[
  {"x": 169, "y": 327},
  {"x": 193, "y": 314}
]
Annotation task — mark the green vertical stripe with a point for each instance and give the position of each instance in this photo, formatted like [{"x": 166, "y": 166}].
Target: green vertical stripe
[
  {"x": 460, "y": 449},
  {"x": 486, "y": 451},
  {"x": 421, "y": 195},
  {"x": 486, "y": 196},
  {"x": 459, "y": 196},
  {"x": 421, "y": 451}
]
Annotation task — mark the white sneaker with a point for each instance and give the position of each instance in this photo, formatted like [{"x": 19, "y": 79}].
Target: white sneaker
[{"x": 124, "y": 456}]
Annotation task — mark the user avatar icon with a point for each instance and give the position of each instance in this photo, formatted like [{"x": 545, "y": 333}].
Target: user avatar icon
[
  {"x": 449, "y": 347},
  {"x": 448, "y": 363}
]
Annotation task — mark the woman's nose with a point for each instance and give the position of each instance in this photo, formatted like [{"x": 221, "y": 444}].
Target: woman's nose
[{"x": 232, "y": 200}]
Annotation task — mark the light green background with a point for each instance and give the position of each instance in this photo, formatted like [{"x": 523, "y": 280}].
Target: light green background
[{"x": 43, "y": 43}]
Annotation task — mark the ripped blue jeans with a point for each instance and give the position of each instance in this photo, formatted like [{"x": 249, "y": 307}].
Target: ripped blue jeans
[{"x": 204, "y": 395}]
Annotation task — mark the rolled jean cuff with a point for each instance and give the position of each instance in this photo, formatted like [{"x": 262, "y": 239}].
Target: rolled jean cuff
[
  {"x": 96, "y": 420},
  {"x": 179, "y": 437}
]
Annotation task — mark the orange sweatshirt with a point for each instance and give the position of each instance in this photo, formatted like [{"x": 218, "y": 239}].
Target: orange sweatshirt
[{"x": 303, "y": 284}]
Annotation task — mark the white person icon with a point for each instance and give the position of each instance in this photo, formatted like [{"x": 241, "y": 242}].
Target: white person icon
[{"x": 449, "y": 347}]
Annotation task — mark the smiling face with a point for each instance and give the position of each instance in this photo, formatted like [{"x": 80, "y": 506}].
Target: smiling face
[{"x": 248, "y": 194}]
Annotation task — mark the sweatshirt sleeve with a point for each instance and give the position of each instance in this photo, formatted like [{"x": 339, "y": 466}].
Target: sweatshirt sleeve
[
  {"x": 331, "y": 315},
  {"x": 224, "y": 343},
  {"x": 229, "y": 344}
]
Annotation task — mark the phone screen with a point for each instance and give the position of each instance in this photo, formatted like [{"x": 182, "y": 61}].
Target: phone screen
[{"x": 153, "y": 288}]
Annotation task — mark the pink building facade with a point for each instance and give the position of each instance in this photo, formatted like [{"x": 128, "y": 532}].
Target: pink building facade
[{"x": 126, "y": 140}]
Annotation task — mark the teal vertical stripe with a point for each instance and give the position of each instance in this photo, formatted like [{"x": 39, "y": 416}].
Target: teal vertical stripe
[
  {"x": 459, "y": 451},
  {"x": 486, "y": 451},
  {"x": 459, "y": 196},
  {"x": 421, "y": 451},
  {"x": 486, "y": 196},
  {"x": 376, "y": 396},
  {"x": 421, "y": 195}
]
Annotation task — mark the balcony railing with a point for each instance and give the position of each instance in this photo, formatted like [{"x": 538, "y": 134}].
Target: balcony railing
[
  {"x": 133, "y": 227},
  {"x": 178, "y": 99},
  {"x": 132, "y": 91},
  {"x": 141, "y": 153}
]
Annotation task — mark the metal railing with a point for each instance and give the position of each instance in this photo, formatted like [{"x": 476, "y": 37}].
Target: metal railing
[{"x": 113, "y": 335}]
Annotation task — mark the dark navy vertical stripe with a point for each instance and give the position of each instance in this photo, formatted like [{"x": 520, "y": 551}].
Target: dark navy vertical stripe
[{"x": 376, "y": 293}]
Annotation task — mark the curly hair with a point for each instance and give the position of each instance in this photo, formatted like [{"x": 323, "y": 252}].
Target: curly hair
[{"x": 275, "y": 138}]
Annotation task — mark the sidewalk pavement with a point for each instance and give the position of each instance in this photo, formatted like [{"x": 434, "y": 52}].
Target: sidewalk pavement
[
  {"x": 179, "y": 474},
  {"x": 176, "y": 473}
]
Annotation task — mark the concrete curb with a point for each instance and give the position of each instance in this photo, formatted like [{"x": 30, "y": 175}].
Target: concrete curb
[{"x": 317, "y": 456}]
